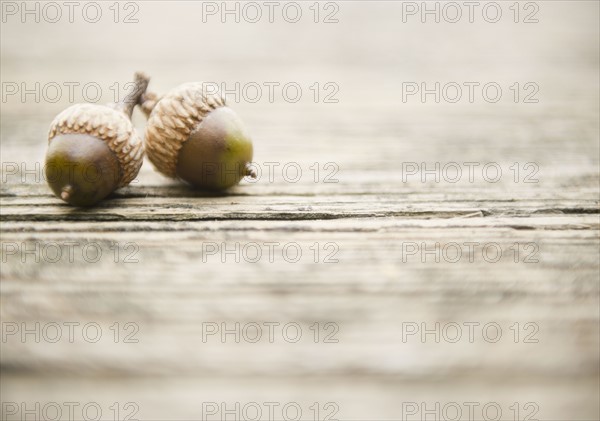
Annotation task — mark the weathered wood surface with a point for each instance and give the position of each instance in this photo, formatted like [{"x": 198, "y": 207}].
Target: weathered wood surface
[{"x": 376, "y": 288}]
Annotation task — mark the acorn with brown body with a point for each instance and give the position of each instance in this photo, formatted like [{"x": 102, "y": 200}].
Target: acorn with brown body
[
  {"x": 94, "y": 149},
  {"x": 194, "y": 136}
]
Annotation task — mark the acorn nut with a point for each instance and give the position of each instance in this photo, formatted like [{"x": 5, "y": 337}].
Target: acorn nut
[
  {"x": 94, "y": 149},
  {"x": 193, "y": 135}
]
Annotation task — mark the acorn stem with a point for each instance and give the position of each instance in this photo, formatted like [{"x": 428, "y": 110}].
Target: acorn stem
[{"x": 128, "y": 103}]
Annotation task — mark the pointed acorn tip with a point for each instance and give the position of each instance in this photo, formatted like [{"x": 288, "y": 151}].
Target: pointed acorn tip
[
  {"x": 65, "y": 194},
  {"x": 250, "y": 171}
]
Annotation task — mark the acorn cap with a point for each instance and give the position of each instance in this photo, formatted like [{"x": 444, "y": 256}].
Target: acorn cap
[
  {"x": 109, "y": 125},
  {"x": 172, "y": 121}
]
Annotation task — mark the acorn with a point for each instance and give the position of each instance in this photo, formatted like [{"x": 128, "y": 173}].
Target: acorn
[
  {"x": 194, "y": 136},
  {"x": 94, "y": 149}
]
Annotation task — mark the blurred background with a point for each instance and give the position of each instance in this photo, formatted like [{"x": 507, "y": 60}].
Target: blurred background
[{"x": 343, "y": 76}]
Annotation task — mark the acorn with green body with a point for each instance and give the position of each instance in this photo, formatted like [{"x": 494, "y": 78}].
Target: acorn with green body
[
  {"x": 94, "y": 149},
  {"x": 193, "y": 135}
]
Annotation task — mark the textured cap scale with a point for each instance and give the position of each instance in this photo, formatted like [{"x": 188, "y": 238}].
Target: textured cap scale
[{"x": 172, "y": 121}]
